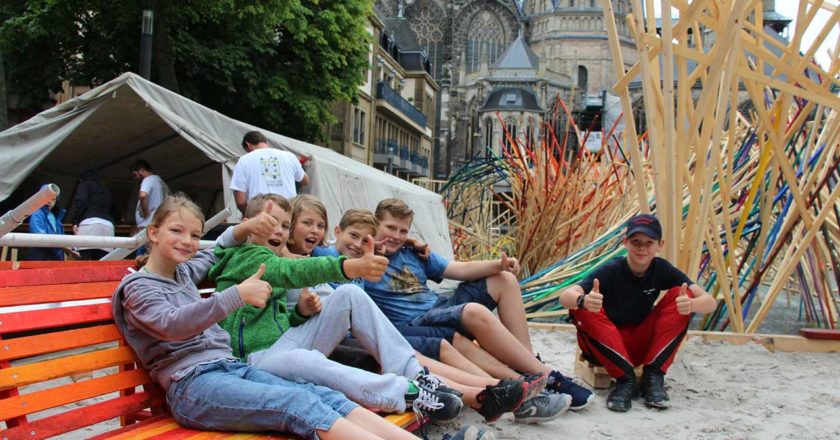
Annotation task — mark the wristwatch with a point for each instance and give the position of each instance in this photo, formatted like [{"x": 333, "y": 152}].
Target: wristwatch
[{"x": 580, "y": 301}]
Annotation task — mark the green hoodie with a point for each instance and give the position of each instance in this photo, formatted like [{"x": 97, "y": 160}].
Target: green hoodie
[{"x": 253, "y": 329}]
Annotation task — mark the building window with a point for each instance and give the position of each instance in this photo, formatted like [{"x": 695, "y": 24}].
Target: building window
[
  {"x": 583, "y": 78},
  {"x": 488, "y": 136},
  {"x": 358, "y": 126},
  {"x": 485, "y": 41},
  {"x": 510, "y": 136}
]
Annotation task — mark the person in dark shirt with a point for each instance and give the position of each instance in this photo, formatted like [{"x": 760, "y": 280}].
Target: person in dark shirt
[{"x": 619, "y": 323}]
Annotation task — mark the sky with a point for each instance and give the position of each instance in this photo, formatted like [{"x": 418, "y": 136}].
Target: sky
[{"x": 790, "y": 8}]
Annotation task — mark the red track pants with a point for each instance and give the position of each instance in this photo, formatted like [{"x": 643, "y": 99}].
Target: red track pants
[{"x": 619, "y": 349}]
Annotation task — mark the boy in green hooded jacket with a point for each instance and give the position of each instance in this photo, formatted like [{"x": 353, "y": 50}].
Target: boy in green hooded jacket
[{"x": 294, "y": 344}]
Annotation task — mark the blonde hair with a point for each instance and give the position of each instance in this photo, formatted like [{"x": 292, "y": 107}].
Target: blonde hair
[
  {"x": 305, "y": 201},
  {"x": 257, "y": 204},
  {"x": 396, "y": 207},
  {"x": 173, "y": 203},
  {"x": 361, "y": 218}
]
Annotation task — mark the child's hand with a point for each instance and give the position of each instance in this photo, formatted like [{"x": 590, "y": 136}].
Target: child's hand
[
  {"x": 594, "y": 300},
  {"x": 309, "y": 303},
  {"x": 379, "y": 246},
  {"x": 509, "y": 264},
  {"x": 263, "y": 224},
  {"x": 253, "y": 290},
  {"x": 421, "y": 249},
  {"x": 683, "y": 300},
  {"x": 370, "y": 266}
]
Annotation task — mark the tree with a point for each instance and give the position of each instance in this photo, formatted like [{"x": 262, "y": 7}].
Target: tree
[{"x": 277, "y": 64}]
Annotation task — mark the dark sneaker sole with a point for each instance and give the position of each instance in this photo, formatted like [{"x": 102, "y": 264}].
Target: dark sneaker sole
[
  {"x": 658, "y": 405},
  {"x": 532, "y": 389}
]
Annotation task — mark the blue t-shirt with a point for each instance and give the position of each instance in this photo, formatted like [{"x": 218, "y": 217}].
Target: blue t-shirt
[
  {"x": 331, "y": 251},
  {"x": 402, "y": 293}
]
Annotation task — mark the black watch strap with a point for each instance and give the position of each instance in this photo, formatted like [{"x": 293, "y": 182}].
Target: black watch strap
[{"x": 580, "y": 300}]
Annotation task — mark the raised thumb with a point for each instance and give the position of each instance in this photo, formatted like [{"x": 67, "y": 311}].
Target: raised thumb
[
  {"x": 367, "y": 245},
  {"x": 684, "y": 289},
  {"x": 269, "y": 206},
  {"x": 596, "y": 285},
  {"x": 259, "y": 273}
]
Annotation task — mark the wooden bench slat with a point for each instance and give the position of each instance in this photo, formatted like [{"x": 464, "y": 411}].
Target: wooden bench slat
[
  {"x": 82, "y": 417},
  {"x": 26, "y": 346},
  {"x": 65, "y": 275},
  {"x": 26, "y": 265},
  {"x": 52, "y": 369},
  {"x": 18, "y": 296},
  {"x": 57, "y": 317},
  {"x": 51, "y": 398}
]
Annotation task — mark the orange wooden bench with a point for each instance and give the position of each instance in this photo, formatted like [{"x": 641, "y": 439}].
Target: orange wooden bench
[{"x": 64, "y": 366}]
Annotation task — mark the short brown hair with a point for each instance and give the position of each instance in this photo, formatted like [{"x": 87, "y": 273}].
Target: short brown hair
[
  {"x": 359, "y": 217},
  {"x": 257, "y": 204},
  {"x": 396, "y": 207},
  {"x": 253, "y": 138},
  {"x": 301, "y": 201}
]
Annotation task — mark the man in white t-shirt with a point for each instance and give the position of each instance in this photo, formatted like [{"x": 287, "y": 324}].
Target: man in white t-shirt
[
  {"x": 152, "y": 192},
  {"x": 265, "y": 170}
]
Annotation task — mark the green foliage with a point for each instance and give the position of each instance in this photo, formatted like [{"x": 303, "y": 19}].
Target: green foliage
[{"x": 277, "y": 64}]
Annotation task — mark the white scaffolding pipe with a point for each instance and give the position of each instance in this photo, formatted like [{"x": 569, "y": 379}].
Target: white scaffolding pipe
[
  {"x": 17, "y": 239},
  {"x": 140, "y": 239},
  {"x": 12, "y": 219}
]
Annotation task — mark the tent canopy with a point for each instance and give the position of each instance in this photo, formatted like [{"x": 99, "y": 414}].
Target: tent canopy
[{"x": 193, "y": 148}]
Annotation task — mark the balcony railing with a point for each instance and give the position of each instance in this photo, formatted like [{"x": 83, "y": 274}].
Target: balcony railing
[{"x": 383, "y": 91}]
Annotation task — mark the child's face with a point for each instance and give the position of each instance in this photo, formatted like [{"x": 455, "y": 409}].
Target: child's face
[
  {"x": 393, "y": 232},
  {"x": 349, "y": 241},
  {"x": 277, "y": 241},
  {"x": 641, "y": 249},
  {"x": 308, "y": 231},
  {"x": 176, "y": 240}
]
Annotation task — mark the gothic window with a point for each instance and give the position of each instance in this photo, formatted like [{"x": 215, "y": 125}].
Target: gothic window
[
  {"x": 485, "y": 41},
  {"x": 583, "y": 78},
  {"x": 510, "y": 135},
  {"x": 488, "y": 134}
]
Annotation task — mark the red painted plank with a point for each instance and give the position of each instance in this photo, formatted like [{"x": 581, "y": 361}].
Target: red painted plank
[
  {"x": 820, "y": 333},
  {"x": 18, "y": 296},
  {"x": 8, "y": 265},
  {"x": 57, "y": 317},
  {"x": 69, "y": 275},
  {"x": 82, "y": 417}
]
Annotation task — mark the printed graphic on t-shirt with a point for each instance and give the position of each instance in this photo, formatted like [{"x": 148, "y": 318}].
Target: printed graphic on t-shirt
[
  {"x": 650, "y": 291},
  {"x": 271, "y": 170},
  {"x": 405, "y": 282}
]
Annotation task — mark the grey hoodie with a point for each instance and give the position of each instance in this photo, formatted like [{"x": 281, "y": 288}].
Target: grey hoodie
[{"x": 167, "y": 323}]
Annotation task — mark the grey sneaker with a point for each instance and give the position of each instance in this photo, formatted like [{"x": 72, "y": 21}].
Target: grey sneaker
[
  {"x": 470, "y": 433},
  {"x": 543, "y": 408}
]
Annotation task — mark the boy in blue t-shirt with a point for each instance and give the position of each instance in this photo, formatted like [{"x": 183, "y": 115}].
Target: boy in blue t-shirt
[{"x": 405, "y": 298}]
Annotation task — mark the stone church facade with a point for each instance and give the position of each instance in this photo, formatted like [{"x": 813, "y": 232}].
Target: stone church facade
[{"x": 503, "y": 63}]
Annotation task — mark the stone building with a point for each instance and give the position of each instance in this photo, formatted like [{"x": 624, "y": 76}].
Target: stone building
[{"x": 504, "y": 63}]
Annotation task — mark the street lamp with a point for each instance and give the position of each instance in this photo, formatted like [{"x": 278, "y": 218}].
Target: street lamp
[{"x": 146, "y": 30}]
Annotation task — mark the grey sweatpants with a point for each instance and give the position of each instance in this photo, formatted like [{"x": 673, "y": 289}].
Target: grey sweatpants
[{"x": 301, "y": 353}]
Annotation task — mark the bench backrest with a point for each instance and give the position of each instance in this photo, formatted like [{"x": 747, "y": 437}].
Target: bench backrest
[{"x": 56, "y": 323}]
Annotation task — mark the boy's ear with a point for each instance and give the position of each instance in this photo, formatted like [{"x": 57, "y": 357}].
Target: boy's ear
[{"x": 337, "y": 230}]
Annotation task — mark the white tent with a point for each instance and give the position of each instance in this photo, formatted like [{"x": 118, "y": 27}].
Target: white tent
[{"x": 192, "y": 147}]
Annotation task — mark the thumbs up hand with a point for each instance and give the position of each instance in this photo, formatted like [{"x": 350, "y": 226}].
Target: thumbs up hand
[
  {"x": 509, "y": 264},
  {"x": 253, "y": 290},
  {"x": 684, "y": 301},
  {"x": 370, "y": 266},
  {"x": 594, "y": 300},
  {"x": 308, "y": 303},
  {"x": 263, "y": 224}
]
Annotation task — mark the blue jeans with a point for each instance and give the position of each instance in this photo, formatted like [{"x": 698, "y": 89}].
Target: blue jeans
[
  {"x": 445, "y": 315},
  {"x": 232, "y": 396}
]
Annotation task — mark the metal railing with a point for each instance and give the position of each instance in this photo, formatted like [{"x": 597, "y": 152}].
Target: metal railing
[
  {"x": 384, "y": 91},
  {"x": 12, "y": 219}
]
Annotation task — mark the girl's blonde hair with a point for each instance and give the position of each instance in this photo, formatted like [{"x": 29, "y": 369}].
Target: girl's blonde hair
[
  {"x": 305, "y": 201},
  {"x": 173, "y": 203}
]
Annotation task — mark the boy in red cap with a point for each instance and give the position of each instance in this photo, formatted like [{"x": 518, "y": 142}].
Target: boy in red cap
[{"x": 618, "y": 325}]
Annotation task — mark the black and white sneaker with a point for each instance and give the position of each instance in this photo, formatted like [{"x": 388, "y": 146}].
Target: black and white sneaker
[
  {"x": 437, "y": 405},
  {"x": 430, "y": 382}
]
